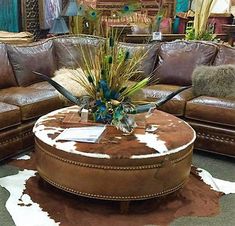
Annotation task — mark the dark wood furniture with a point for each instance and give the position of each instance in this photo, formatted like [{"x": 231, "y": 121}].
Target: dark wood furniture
[
  {"x": 121, "y": 30},
  {"x": 230, "y": 30},
  {"x": 144, "y": 38},
  {"x": 151, "y": 7}
]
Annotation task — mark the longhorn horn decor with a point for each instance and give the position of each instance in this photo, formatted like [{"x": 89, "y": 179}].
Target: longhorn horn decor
[{"x": 105, "y": 77}]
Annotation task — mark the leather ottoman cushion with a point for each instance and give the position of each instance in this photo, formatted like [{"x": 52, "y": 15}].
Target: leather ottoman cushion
[
  {"x": 9, "y": 115},
  {"x": 214, "y": 110},
  {"x": 178, "y": 59},
  {"x": 34, "y": 57},
  {"x": 226, "y": 55},
  {"x": 7, "y": 78},
  {"x": 175, "y": 106},
  {"x": 68, "y": 50},
  {"x": 32, "y": 102}
]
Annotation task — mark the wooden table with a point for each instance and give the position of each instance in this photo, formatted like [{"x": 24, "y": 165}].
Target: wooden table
[
  {"x": 230, "y": 30},
  {"x": 120, "y": 167},
  {"x": 145, "y": 38}
]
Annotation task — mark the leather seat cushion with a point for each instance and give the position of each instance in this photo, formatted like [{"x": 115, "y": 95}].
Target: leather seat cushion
[
  {"x": 32, "y": 102},
  {"x": 175, "y": 106},
  {"x": 225, "y": 55},
  {"x": 214, "y": 110},
  {"x": 178, "y": 59},
  {"x": 41, "y": 85},
  {"x": 37, "y": 57},
  {"x": 9, "y": 115}
]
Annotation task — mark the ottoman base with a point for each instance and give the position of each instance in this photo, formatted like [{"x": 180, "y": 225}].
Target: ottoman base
[{"x": 136, "y": 181}]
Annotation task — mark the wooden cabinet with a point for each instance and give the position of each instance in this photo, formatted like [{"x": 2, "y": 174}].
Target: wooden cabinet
[{"x": 151, "y": 7}]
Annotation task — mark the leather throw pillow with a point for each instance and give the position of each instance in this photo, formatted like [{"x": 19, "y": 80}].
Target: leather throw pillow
[
  {"x": 33, "y": 57},
  {"x": 70, "y": 50}
]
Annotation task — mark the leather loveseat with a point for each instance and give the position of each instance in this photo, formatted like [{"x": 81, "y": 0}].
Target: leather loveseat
[{"x": 24, "y": 97}]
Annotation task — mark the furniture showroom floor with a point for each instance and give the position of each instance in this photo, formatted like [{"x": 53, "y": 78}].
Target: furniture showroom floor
[{"x": 218, "y": 166}]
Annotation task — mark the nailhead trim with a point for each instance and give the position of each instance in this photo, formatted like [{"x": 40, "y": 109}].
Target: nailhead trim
[
  {"x": 117, "y": 198},
  {"x": 216, "y": 138},
  {"x": 143, "y": 167},
  {"x": 16, "y": 138}
]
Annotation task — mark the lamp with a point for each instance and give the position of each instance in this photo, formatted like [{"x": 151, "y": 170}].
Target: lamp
[
  {"x": 59, "y": 26},
  {"x": 71, "y": 9}
]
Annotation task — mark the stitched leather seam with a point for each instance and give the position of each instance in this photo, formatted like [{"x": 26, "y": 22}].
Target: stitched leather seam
[
  {"x": 107, "y": 197},
  {"x": 143, "y": 167},
  {"x": 216, "y": 138}
]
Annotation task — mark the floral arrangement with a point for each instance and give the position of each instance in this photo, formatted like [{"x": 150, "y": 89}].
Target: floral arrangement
[{"x": 106, "y": 79}]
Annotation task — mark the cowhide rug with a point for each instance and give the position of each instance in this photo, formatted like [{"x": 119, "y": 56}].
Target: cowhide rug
[{"x": 33, "y": 202}]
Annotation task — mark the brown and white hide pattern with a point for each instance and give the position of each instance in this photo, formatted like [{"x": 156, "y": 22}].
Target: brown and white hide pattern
[{"x": 33, "y": 202}]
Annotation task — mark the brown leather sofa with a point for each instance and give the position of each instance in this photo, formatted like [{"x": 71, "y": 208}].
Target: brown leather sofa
[
  {"x": 212, "y": 118},
  {"x": 24, "y": 97}
]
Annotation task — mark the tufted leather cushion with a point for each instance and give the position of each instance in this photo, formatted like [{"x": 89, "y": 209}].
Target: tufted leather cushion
[
  {"x": 32, "y": 102},
  {"x": 7, "y": 78},
  {"x": 175, "y": 106},
  {"x": 34, "y": 57},
  {"x": 225, "y": 55},
  {"x": 69, "y": 53},
  {"x": 178, "y": 59},
  {"x": 9, "y": 115},
  {"x": 212, "y": 109}
]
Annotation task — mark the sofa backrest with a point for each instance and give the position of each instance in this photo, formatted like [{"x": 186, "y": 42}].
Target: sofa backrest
[
  {"x": 174, "y": 65},
  {"x": 7, "y": 78},
  {"x": 25, "y": 59},
  {"x": 177, "y": 60},
  {"x": 69, "y": 50},
  {"x": 225, "y": 55},
  {"x": 148, "y": 62}
]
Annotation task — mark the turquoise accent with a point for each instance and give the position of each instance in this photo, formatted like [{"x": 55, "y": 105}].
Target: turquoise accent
[
  {"x": 9, "y": 15},
  {"x": 176, "y": 25},
  {"x": 181, "y": 6}
]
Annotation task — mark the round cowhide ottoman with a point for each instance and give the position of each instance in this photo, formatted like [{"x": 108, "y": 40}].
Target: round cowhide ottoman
[{"x": 153, "y": 161}]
